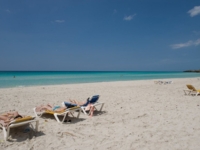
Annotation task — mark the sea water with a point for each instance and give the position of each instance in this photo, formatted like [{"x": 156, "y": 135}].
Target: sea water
[{"x": 34, "y": 78}]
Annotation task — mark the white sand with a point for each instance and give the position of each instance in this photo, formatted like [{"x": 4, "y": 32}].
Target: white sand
[{"x": 138, "y": 115}]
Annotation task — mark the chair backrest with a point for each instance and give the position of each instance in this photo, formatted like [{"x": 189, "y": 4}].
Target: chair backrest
[
  {"x": 87, "y": 102},
  {"x": 94, "y": 99},
  {"x": 191, "y": 87}
]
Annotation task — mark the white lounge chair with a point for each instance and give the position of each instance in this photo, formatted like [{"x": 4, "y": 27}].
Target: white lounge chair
[
  {"x": 163, "y": 82},
  {"x": 94, "y": 101},
  {"x": 168, "y": 82},
  {"x": 61, "y": 113},
  {"x": 19, "y": 122},
  {"x": 191, "y": 90}
]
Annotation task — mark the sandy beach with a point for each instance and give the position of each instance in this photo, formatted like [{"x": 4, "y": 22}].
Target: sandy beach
[{"x": 137, "y": 115}]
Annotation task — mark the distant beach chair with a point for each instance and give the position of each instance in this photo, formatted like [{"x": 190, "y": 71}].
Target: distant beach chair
[
  {"x": 163, "y": 82},
  {"x": 158, "y": 82},
  {"x": 168, "y": 82},
  {"x": 191, "y": 90},
  {"x": 18, "y": 122},
  {"x": 56, "y": 114}
]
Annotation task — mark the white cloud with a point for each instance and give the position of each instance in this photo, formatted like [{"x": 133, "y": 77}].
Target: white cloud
[
  {"x": 130, "y": 17},
  {"x": 196, "y": 32},
  {"x": 195, "y": 11},
  {"x": 187, "y": 44},
  {"x": 59, "y": 21},
  {"x": 197, "y": 42}
]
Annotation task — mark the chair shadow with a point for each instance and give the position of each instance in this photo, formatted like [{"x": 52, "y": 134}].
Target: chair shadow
[
  {"x": 68, "y": 119},
  {"x": 73, "y": 120},
  {"x": 48, "y": 116},
  {"x": 22, "y": 133},
  {"x": 98, "y": 113}
]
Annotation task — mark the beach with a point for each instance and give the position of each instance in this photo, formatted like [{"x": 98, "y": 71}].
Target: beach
[{"x": 137, "y": 115}]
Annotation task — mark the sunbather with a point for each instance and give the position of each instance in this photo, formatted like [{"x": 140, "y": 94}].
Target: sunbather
[
  {"x": 50, "y": 108},
  {"x": 74, "y": 103},
  {"x": 65, "y": 105},
  {"x": 6, "y": 118},
  {"x": 56, "y": 111}
]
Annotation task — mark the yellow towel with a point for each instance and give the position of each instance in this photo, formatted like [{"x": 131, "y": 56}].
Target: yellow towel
[
  {"x": 75, "y": 107},
  {"x": 22, "y": 119},
  {"x": 53, "y": 112}
]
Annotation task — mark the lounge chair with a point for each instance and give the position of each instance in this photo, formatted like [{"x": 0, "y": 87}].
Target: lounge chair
[
  {"x": 168, "y": 82},
  {"x": 63, "y": 113},
  {"x": 191, "y": 90},
  {"x": 158, "y": 82},
  {"x": 94, "y": 101},
  {"x": 19, "y": 122},
  {"x": 163, "y": 82}
]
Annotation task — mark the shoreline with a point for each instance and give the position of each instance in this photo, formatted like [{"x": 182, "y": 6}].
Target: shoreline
[
  {"x": 159, "y": 79},
  {"x": 21, "y": 79},
  {"x": 137, "y": 115}
]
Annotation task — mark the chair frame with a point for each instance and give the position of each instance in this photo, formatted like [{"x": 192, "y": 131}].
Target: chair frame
[
  {"x": 56, "y": 114},
  {"x": 191, "y": 90},
  {"x": 13, "y": 124},
  {"x": 95, "y": 104}
]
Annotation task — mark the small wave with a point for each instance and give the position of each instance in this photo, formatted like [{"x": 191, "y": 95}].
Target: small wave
[{"x": 21, "y": 86}]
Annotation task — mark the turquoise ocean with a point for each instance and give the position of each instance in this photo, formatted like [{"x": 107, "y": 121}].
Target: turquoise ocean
[{"x": 35, "y": 78}]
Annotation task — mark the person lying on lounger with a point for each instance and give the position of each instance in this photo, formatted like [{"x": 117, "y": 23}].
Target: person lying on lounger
[
  {"x": 87, "y": 104},
  {"x": 73, "y": 103},
  {"x": 65, "y": 105},
  {"x": 6, "y": 118},
  {"x": 49, "y": 107}
]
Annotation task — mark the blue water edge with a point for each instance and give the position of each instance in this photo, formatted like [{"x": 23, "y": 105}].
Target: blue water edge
[{"x": 34, "y": 78}]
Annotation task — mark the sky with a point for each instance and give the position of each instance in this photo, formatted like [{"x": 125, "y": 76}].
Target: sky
[{"x": 99, "y": 35}]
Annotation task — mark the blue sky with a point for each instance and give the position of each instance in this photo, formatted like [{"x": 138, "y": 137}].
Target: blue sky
[{"x": 110, "y": 35}]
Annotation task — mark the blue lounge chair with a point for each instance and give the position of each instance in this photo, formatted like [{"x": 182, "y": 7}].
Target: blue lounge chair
[
  {"x": 91, "y": 100},
  {"x": 94, "y": 101}
]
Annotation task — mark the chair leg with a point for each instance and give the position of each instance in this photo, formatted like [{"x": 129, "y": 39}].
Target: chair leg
[
  {"x": 36, "y": 125},
  {"x": 65, "y": 116},
  {"x": 5, "y": 133},
  {"x": 72, "y": 114},
  {"x": 83, "y": 109},
  {"x": 56, "y": 116},
  {"x": 101, "y": 106},
  {"x": 79, "y": 112}
]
